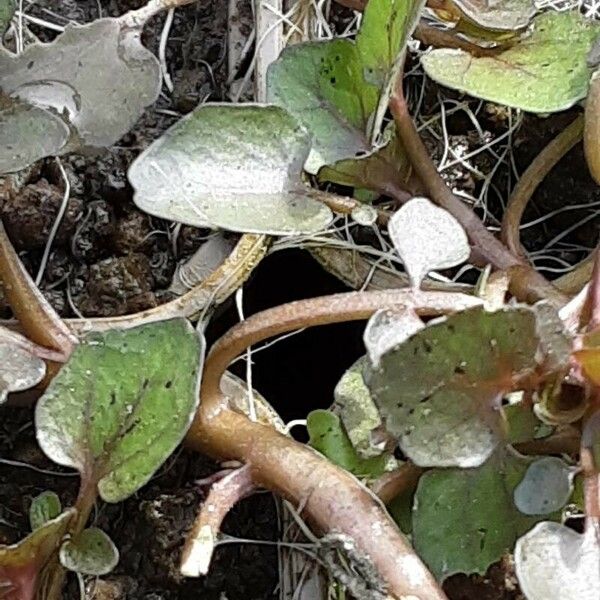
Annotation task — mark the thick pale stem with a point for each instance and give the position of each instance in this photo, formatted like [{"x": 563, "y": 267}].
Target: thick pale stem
[
  {"x": 138, "y": 17},
  {"x": 334, "y": 500}
]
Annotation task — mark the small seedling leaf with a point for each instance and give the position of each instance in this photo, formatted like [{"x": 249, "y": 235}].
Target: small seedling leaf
[
  {"x": 91, "y": 552},
  {"x": 28, "y": 133},
  {"x": 388, "y": 328},
  {"x": 97, "y": 77},
  {"x": 554, "y": 562},
  {"x": 498, "y": 15},
  {"x": 121, "y": 404},
  {"x": 545, "y": 488},
  {"x": 44, "y": 508},
  {"x": 19, "y": 369},
  {"x": 427, "y": 238},
  {"x": 523, "y": 425},
  {"x": 329, "y": 438},
  {"x": 450, "y": 414},
  {"x": 236, "y": 167},
  {"x": 354, "y": 405},
  {"x": 545, "y": 72},
  {"x": 465, "y": 519},
  {"x": 21, "y": 563},
  {"x": 339, "y": 89}
]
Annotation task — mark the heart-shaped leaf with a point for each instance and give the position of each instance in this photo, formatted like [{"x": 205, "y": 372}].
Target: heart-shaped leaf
[
  {"x": 236, "y": 167},
  {"x": 97, "y": 77},
  {"x": 339, "y": 89},
  {"x": 20, "y": 563},
  {"x": 91, "y": 552},
  {"x": 427, "y": 238},
  {"x": 465, "y": 519},
  {"x": 122, "y": 403},
  {"x": 554, "y": 562},
  {"x": 44, "y": 508},
  {"x": 545, "y": 72},
  {"x": 449, "y": 415},
  {"x": 329, "y": 438}
]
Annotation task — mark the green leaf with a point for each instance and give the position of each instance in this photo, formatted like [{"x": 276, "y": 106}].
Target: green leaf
[
  {"x": 28, "y": 133},
  {"x": 91, "y": 552},
  {"x": 21, "y": 563},
  {"x": 122, "y": 404},
  {"x": 523, "y": 425},
  {"x": 449, "y": 415},
  {"x": 498, "y": 15},
  {"x": 237, "y": 167},
  {"x": 44, "y": 508},
  {"x": 554, "y": 562},
  {"x": 97, "y": 77},
  {"x": 357, "y": 410},
  {"x": 465, "y": 519},
  {"x": 329, "y": 438},
  {"x": 546, "y": 72},
  {"x": 339, "y": 89},
  {"x": 7, "y": 10},
  {"x": 545, "y": 488},
  {"x": 382, "y": 169}
]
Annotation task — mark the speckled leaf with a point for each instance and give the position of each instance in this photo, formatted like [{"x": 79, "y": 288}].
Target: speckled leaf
[
  {"x": 7, "y": 9},
  {"x": 554, "y": 562},
  {"x": 545, "y": 488},
  {"x": 27, "y": 133},
  {"x": 98, "y": 77},
  {"x": 357, "y": 410},
  {"x": 121, "y": 404},
  {"x": 329, "y": 438},
  {"x": 382, "y": 169},
  {"x": 91, "y": 552},
  {"x": 465, "y": 519},
  {"x": 427, "y": 238},
  {"x": 20, "y": 563},
  {"x": 44, "y": 508},
  {"x": 339, "y": 89},
  {"x": 449, "y": 414},
  {"x": 546, "y": 72},
  {"x": 498, "y": 15},
  {"x": 388, "y": 328},
  {"x": 236, "y": 167},
  {"x": 19, "y": 369}
]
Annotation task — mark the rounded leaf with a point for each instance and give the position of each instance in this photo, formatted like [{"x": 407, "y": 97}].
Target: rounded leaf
[
  {"x": 122, "y": 404},
  {"x": 19, "y": 369},
  {"x": 235, "y": 167},
  {"x": 44, "y": 508},
  {"x": 427, "y": 238},
  {"x": 91, "y": 552}
]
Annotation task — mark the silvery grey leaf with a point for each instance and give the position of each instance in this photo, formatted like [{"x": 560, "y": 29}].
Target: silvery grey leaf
[
  {"x": 554, "y": 562},
  {"x": 427, "y": 238},
  {"x": 235, "y": 167},
  {"x": 19, "y": 369}
]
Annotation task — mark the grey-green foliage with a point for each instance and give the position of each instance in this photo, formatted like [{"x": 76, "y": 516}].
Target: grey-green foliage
[
  {"x": 90, "y": 552},
  {"x": 44, "y": 508},
  {"x": 96, "y": 79},
  {"x": 121, "y": 404},
  {"x": 235, "y": 167},
  {"x": 448, "y": 415},
  {"x": 546, "y": 72}
]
